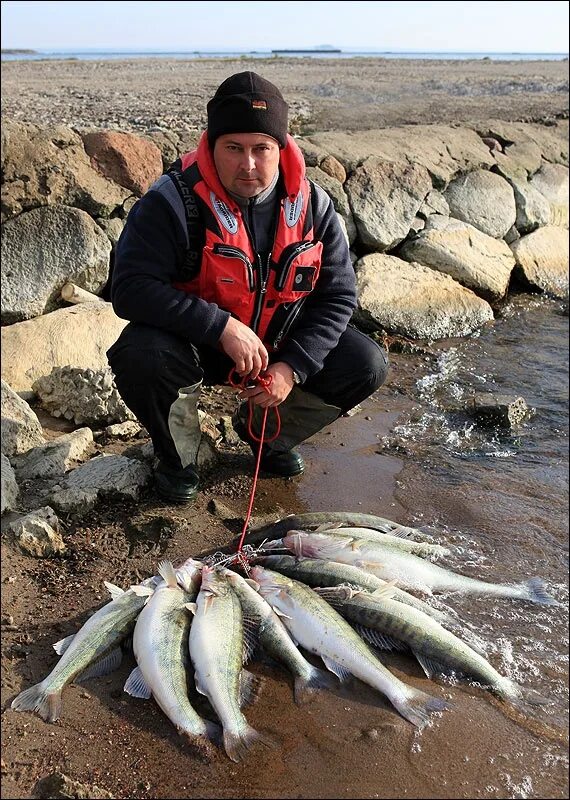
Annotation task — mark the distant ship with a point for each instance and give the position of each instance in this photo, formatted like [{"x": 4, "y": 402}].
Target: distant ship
[{"x": 323, "y": 49}]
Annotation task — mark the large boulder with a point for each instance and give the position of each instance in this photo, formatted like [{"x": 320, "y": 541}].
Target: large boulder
[
  {"x": 444, "y": 151},
  {"x": 478, "y": 261},
  {"x": 533, "y": 209},
  {"x": 551, "y": 180},
  {"x": 415, "y": 301},
  {"x": 44, "y": 248},
  {"x": 78, "y": 336},
  {"x": 125, "y": 158},
  {"x": 334, "y": 188},
  {"x": 528, "y": 144},
  {"x": 21, "y": 429},
  {"x": 49, "y": 166},
  {"x": 542, "y": 257},
  {"x": 385, "y": 198},
  {"x": 484, "y": 200}
]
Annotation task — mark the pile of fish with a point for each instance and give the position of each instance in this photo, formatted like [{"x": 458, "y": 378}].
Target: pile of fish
[{"x": 341, "y": 592}]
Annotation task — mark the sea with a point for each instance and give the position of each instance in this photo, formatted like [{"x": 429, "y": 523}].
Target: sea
[
  {"x": 103, "y": 54},
  {"x": 496, "y": 496}
]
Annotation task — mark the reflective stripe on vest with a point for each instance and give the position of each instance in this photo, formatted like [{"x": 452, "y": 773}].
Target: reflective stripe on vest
[{"x": 266, "y": 297}]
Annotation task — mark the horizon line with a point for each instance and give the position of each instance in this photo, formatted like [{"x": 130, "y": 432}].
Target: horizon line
[{"x": 316, "y": 49}]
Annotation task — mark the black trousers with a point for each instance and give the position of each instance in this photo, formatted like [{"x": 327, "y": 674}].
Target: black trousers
[{"x": 150, "y": 366}]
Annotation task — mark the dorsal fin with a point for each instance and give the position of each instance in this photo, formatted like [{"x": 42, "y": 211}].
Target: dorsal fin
[{"x": 166, "y": 571}]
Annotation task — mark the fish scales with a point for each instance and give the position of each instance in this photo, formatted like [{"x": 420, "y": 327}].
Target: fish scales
[
  {"x": 216, "y": 649},
  {"x": 408, "y": 570},
  {"x": 321, "y": 630},
  {"x": 160, "y": 644},
  {"x": 318, "y": 572},
  {"x": 426, "y": 637},
  {"x": 99, "y": 636}
]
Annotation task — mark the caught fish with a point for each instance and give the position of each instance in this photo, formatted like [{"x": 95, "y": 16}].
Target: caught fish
[
  {"x": 379, "y": 619},
  {"x": 316, "y": 572},
  {"x": 317, "y": 519},
  {"x": 422, "y": 549},
  {"x": 93, "y": 651},
  {"x": 407, "y": 569},
  {"x": 317, "y": 627},
  {"x": 216, "y": 648},
  {"x": 275, "y": 639},
  {"x": 160, "y": 644}
]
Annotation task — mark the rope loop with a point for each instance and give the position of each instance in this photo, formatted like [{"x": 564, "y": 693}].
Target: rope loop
[{"x": 265, "y": 382}]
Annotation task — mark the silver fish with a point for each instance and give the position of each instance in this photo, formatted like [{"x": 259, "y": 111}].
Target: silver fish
[
  {"x": 320, "y": 629},
  {"x": 160, "y": 644},
  {"x": 422, "y": 549},
  {"x": 275, "y": 639},
  {"x": 317, "y": 572},
  {"x": 437, "y": 649},
  {"x": 407, "y": 569},
  {"x": 93, "y": 651},
  {"x": 317, "y": 519},
  {"x": 216, "y": 649}
]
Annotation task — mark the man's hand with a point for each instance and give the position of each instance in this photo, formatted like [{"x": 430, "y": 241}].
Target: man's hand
[
  {"x": 281, "y": 385},
  {"x": 245, "y": 349}
]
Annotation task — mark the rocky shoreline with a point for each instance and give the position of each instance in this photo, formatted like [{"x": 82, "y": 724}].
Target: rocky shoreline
[{"x": 445, "y": 218}]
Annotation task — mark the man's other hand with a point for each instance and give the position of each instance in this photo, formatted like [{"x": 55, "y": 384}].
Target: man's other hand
[
  {"x": 281, "y": 384},
  {"x": 245, "y": 349}
]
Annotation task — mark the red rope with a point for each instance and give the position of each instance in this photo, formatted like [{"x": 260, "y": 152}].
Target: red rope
[{"x": 265, "y": 383}]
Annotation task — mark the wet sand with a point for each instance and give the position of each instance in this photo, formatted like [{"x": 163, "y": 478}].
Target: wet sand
[{"x": 348, "y": 744}]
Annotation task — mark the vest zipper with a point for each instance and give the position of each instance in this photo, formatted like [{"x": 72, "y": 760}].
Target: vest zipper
[
  {"x": 263, "y": 278},
  {"x": 235, "y": 252},
  {"x": 280, "y": 283},
  {"x": 289, "y": 320}
]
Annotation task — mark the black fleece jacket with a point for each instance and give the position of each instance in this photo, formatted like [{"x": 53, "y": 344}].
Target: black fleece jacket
[{"x": 152, "y": 249}]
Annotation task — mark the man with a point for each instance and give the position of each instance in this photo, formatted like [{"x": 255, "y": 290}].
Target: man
[{"x": 233, "y": 260}]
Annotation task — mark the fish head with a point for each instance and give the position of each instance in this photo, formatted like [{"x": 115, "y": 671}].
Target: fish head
[
  {"x": 270, "y": 583},
  {"x": 189, "y": 576},
  {"x": 214, "y": 581},
  {"x": 296, "y": 542},
  {"x": 304, "y": 544},
  {"x": 238, "y": 582}
]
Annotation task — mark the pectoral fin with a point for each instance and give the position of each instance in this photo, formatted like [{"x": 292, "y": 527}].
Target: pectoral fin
[{"x": 137, "y": 686}]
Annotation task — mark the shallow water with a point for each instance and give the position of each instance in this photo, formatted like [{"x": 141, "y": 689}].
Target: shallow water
[{"x": 499, "y": 498}]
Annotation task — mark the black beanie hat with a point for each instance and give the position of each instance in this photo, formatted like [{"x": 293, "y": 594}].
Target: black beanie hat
[{"x": 247, "y": 103}]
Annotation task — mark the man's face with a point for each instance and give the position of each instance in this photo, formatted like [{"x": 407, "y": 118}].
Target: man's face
[{"x": 246, "y": 162}]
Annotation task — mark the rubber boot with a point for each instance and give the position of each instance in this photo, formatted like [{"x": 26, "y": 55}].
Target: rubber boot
[
  {"x": 302, "y": 414},
  {"x": 181, "y": 485}
]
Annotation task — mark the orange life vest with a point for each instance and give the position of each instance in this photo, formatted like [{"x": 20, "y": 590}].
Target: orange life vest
[{"x": 267, "y": 297}]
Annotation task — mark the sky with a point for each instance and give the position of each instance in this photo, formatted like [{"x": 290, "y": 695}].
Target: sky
[{"x": 537, "y": 27}]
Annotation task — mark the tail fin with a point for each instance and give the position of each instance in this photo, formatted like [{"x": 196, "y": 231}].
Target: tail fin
[
  {"x": 236, "y": 745},
  {"x": 36, "y": 698},
  {"x": 201, "y": 747},
  {"x": 536, "y": 593},
  {"x": 305, "y": 688},
  {"x": 418, "y": 706}
]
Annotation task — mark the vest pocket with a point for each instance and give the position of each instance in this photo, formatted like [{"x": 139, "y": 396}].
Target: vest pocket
[
  {"x": 227, "y": 278},
  {"x": 300, "y": 270}
]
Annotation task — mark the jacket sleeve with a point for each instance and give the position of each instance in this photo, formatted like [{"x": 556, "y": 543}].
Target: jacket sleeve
[
  {"x": 330, "y": 305},
  {"x": 149, "y": 253}
]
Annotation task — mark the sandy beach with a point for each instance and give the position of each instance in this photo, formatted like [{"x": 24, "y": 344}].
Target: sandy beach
[{"x": 349, "y": 743}]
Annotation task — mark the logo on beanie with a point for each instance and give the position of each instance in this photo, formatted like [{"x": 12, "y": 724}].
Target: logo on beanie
[
  {"x": 259, "y": 105},
  {"x": 224, "y": 214},
  {"x": 293, "y": 210}
]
